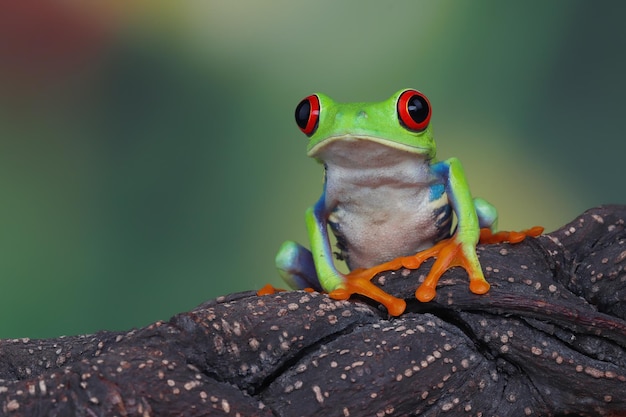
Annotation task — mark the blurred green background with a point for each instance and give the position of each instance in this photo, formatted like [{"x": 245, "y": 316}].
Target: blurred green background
[{"x": 149, "y": 160}]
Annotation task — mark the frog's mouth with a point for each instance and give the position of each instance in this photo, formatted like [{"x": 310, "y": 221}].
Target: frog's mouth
[
  {"x": 364, "y": 151},
  {"x": 357, "y": 144}
]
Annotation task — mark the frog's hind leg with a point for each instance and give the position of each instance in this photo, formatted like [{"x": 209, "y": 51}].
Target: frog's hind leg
[
  {"x": 295, "y": 266},
  {"x": 488, "y": 222}
]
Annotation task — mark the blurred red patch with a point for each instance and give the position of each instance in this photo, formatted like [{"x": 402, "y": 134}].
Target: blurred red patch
[{"x": 44, "y": 42}]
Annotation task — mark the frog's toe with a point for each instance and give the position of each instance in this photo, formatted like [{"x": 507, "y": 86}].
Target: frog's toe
[
  {"x": 450, "y": 253},
  {"x": 268, "y": 289},
  {"x": 425, "y": 293},
  {"x": 479, "y": 286},
  {"x": 486, "y": 236},
  {"x": 358, "y": 282}
]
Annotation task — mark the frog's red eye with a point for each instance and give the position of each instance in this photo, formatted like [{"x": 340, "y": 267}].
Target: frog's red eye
[
  {"x": 308, "y": 114},
  {"x": 414, "y": 110}
]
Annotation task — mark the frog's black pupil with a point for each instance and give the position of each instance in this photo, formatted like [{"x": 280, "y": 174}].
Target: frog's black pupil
[
  {"x": 418, "y": 108},
  {"x": 302, "y": 113}
]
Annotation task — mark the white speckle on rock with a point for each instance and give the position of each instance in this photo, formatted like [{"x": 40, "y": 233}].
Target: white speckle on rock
[
  {"x": 596, "y": 373},
  {"x": 13, "y": 405},
  {"x": 620, "y": 257},
  {"x": 254, "y": 344},
  {"x": 191, "y": 385},
  {"x": 318, "y": 394},
  {"x": 225, "y": 406}
]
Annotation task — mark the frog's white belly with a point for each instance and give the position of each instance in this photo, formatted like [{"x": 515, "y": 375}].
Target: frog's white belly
[{"x": 383, "y": 203}]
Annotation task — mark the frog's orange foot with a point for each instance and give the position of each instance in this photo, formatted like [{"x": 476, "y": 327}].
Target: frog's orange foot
[
  {"x": 359, "y": 282},
  {"x": 450, "y": 253},
  {"x": 486, "y": 236},
  {"x": 268, "y": 289}
]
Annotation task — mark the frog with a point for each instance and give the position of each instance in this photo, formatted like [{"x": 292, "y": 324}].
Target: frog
[{"x": 388, "y": 201}]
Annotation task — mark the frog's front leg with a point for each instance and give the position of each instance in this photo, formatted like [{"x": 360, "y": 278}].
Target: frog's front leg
[
  {"x": 301, "y": 268},
  {"x": 460, "y": 249}
]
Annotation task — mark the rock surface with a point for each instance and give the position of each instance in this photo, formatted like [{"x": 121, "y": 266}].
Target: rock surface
[{"x": 548, "y": 339}]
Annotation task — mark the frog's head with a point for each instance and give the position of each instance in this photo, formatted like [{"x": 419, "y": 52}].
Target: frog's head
[{"x": 401, "y": 122}]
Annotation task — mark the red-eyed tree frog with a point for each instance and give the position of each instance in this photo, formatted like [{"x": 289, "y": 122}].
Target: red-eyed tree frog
[{"x": 387, "y": 201}]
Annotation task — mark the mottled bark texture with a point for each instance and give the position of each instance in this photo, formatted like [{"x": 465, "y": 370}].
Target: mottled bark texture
[{"x": 548, "y": 339}]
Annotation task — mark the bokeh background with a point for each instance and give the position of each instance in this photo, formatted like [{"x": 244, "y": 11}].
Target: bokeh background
[{"x": 149, "y": 160}]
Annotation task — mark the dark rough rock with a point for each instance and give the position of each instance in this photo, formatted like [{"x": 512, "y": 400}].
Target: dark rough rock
[{"x": 549, "y": 339}]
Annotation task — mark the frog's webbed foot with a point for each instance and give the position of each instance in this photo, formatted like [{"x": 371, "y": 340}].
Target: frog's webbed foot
[
  {"x": 448, "y": 253},
  {"x": 359, "y": 282},
  {"x": 268, "y": 289},
  {"x": 486, "y": 235},
  {"x": 453, "y": 252}
]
